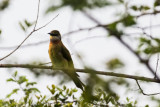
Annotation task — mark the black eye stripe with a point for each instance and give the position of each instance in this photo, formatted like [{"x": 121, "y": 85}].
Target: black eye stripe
[{"x": 54, "y": 34}]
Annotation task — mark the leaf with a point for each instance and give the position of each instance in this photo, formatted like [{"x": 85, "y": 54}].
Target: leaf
[
  {"x": 0, "y": 31},
  {"x": 11, "y": 80},
  {"x": 145, "y": 40},
  {"x": 74, "y": 90},
  {"x": 128, "y": 21},
  {"x": 13, "y": 92},
  {"x": 22, "y": 79},
  {"x": 140, "y": 8},
  {"x": 30, "y": 83},
  {"x": 4, "y": 4},
  {"x": 22, "y": 27},
  {"x": 64, "y": 87},
  {"x": 52, "y": 9},
  {"x": 114, "y": 64},
  {"x": 146, "y": 7},
  {"x": 15, "y": 74},
  {"x": 51, "y": 90},
  {"x": 28, "y": 24},
  {"x": 112, "y": 29},
  {"x": 121, "y": 1},
  {"x": 33, "y": 90},
  {"x": 53, "y": 86},
  {"x": 135, "y": 8},
  {"x": 156, "y": 3}
]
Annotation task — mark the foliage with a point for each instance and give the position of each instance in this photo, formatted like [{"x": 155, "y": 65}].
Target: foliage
[
  {"x": 25, "y": 25},
  {"x": 114, "y": 64},
  {"x": 98, "y": 90},
  {"x": 149, "y": 46},
  {"x": 0, "y": 31},
  {"x": 4, "y": 4},
  {"x": 59, "y": 96},
  {"x": 78, "y": 4}
]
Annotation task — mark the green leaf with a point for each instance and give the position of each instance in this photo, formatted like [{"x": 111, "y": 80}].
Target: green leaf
[
  {"x": 74, "y": 90},
  {"x": 114, "y": 64},
  {"x": 128, "y": 21},
  {"x": 156, "y": 3},
  {"x": 22, "y": 27},
  {"x": 52, "y": 8},
  {"x": 135, "y": 8},
  {"x": 28, "y": 24},
  {"x": 4, "y": 4},
  {"x": 15, "y": 74},
  {"x": 30, "y": 83},
  {"x": 112, "y": 29},
  {"x": 140, "y": 8},
  {"x": 145, "y": 40},
  {"x": 11, "y": 80},
  {"x": 51, "y": 90},
  {"x": 53, "y": 86},
  {"x": 13, "y": 92},
  {"x": 33, "y": 90},
  {"x": 121, "y": 1},
  {"x": 64, "y": 87},
  {"x": 0, "y": 31},
  {"x": 145, "y": 8},
  {"x": 22, "y": 79}
]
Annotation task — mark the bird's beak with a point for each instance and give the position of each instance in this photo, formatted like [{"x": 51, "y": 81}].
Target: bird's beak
[{"x": 49, "y": 33}]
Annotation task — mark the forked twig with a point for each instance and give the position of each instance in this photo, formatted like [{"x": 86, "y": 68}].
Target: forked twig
[
  {"x": 143, "y": 91},
  {"x": 119, "y": 38},
  {"x": 34, "y": 30}
]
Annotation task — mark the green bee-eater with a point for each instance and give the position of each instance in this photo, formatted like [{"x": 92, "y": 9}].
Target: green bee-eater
[{"x": 61, "y": 58}]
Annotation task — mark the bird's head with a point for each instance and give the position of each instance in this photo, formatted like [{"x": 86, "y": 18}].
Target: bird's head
[{"x": 55, "y": 35}]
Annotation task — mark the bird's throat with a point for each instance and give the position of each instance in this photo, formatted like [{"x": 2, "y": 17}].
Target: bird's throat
[{"x": 54, "y": 40}]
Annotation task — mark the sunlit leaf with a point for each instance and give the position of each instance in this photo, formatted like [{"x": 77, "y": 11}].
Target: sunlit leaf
[{"x": 13, "y": 92}]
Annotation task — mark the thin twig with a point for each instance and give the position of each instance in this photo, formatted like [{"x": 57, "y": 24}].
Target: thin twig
[
  {"x": 37, "y": 16},
  {"x": 143, "y": 91},
  {"x": 34, "y": 30},
  {"x": 145, "y": 62},
  {"x": 157, "y": 65},
  {"x": 81, "y": 71},
  {"x": 26, "y": 37},
  {"x": 17, "y": 47},
  {"x": 149, "y": 13},
  {"x": 47, "y": 23},
  {"x": 45, "y": 63},
  {"x": 153, "y": 26},
  {"x": 27, "y": 45},
  {"x": 45, "y": 41}
]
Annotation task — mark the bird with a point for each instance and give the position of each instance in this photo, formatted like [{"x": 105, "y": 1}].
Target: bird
[{"x": 61, "y": 57}]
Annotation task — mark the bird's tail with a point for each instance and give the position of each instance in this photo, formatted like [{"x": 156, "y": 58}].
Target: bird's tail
[
  {"x": 78, "y": 82},
  {"x": 74, "y": 76}
]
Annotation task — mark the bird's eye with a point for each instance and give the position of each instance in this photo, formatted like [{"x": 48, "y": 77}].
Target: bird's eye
[{"x": 54, "y": 34}]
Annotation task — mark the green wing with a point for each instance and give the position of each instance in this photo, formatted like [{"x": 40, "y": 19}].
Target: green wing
[
  {"x": 67, "y": 56},
  {"x": 72, "y": 74}
]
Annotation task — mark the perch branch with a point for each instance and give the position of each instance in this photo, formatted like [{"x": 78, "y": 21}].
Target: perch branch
[
  {"x": 143, "y": 91},
  {"x": 82, "y": 71}
]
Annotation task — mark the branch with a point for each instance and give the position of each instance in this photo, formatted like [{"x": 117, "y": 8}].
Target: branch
[
  {"x": 157, "y": 65},
  {"x": 143, "y": 91},
  {"x": 81, "y": 71},
  {"x": 24, "y": 46},
  {"x": 26, "y": 37},
  {"x": 45, "y": 41},
  {"x": 149, "y": 13},
  {"x": 34, "y": 30},
  {"x": 145, "y": 62}
]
